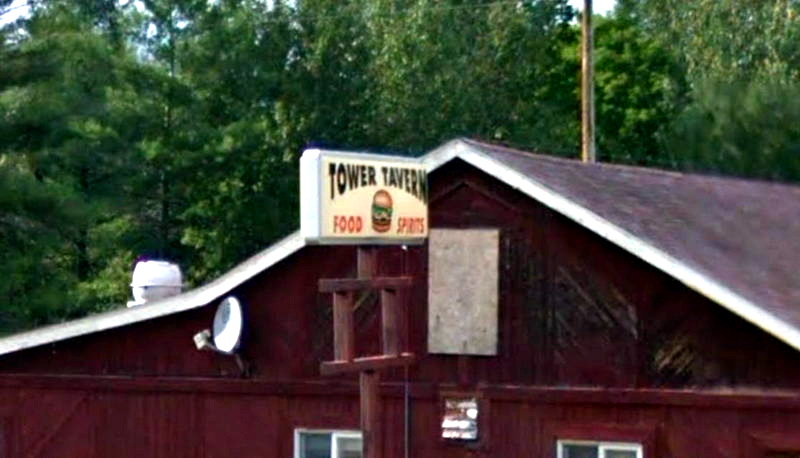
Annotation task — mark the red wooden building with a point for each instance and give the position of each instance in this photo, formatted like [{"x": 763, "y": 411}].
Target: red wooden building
[{"x": 558, "y": 309}]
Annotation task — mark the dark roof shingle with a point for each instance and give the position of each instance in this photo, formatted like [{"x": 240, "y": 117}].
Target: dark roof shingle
[{"x": 743, "y": 234}]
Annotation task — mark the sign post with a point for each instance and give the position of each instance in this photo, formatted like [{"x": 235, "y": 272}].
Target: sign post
[{"x": 364, "y": 200}]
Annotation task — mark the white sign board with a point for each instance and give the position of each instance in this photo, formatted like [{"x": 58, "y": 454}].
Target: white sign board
[{"x": 351, "y": 198}]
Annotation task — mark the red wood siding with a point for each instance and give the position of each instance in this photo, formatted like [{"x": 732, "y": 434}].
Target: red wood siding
[
  {"x": 222, "y": 418},
  {"x": 575, "y": 311}
]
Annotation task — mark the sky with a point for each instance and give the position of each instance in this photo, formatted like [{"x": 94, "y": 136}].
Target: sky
[
  {"x": 598, "y": 6},
  {"x": 13, "y": 11}
]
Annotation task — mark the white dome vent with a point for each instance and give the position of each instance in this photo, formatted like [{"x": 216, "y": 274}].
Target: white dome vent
[{"x": 153, "y": 280}]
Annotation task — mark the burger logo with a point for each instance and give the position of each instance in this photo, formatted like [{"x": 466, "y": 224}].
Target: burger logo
[{"x": 381, "y": 211}]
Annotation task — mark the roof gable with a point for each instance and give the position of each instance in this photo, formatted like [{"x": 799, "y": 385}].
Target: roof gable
[
  {"x": 693, "y": 243},
  {"x": 733, "y": 241}
]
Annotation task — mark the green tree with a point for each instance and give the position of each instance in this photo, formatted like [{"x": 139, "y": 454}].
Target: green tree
[
  {"x": 748, "y": 129},
  {"x": 639, "y": 89},
  {"x": 36, "y": 221},
  {"x": 493, "y": 70},
  {"x": 728, "y": 40},
  {"x": 742, "y": 65},
  {"x": 173, "y": 127},
  {"x": 241, "y": 183},
  {"x": 70, "y": 121}
]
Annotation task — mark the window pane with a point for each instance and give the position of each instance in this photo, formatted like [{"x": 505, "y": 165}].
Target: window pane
[
  {"x": 611, "y": 453},
  {"x": 315, "y": 445},
  {"x": 348, "y": 447},
  {"x": 579, "y": 451}
]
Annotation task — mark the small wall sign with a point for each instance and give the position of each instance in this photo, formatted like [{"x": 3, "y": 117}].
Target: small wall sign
[{"x": 352, "y": 198}]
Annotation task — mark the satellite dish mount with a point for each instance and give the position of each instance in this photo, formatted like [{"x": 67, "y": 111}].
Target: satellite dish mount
[{"x": 225, "y": 335}]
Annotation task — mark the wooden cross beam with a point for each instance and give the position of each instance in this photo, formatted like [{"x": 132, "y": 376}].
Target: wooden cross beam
[
  {"x": 343, "y": 290},
  {"x": 367, "y": 363},
  {"x": 344, "y": 285}
]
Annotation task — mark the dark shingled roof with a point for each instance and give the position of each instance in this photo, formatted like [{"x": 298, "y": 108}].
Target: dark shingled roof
[{"x": 743, "y": 234}]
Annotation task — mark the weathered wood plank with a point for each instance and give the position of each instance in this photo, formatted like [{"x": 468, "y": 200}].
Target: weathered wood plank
[
  {"x": 367, "y": 261},
  {"x": 371, "y": 424},
  {"x": 367, "y": 363},
  {"x": 696, "y": 398},
  {"x": 391, "y": 337},
  {"x": 338, "y": 285},
  {"x": 344, "y": 344}
]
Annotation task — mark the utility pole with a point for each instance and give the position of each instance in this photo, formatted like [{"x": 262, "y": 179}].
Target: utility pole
[{"x": 587, "y": 85}]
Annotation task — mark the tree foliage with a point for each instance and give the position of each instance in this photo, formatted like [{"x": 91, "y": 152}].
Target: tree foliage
[
  {"x": 729, "y": 40},
  {"x": 638, "y": 90},
  {"x": 494, "y": 70},
  {"x": 749, "y": 129},
  {"x": 741, "y": 59},
  {"x": 172, "y": 128}
]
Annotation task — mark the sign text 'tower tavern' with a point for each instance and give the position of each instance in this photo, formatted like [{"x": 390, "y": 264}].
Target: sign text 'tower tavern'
[{"x": 362, "y": 198}]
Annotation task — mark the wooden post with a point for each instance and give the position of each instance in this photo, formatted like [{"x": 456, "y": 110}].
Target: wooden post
[
  {"x": 345, "y": 360},
  {"x": 587, "y": 85},
  {"x": 367, "y": 261},
  {"x": 371, "y": 428},
  {"x": 343, "y": 329},
  {"x": 391, "y": 331},
  {"x": 369, "y": 381}
]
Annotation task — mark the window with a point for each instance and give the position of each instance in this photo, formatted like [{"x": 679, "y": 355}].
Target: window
[
  {"x": 589, "y": 449},
  {"x": 327, "y": 444}
]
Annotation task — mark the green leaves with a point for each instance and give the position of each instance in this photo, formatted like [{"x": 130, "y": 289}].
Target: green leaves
[
  {"x": 66, "y": 143},
  {"x": 172, "y": 128},
  {"x": 36, "y": 218},
  {"x": 741, "y": 62},
  {"x": 638, "y": 86},
  {"x": 440, "y": 70},
  {"x": 746, "y": 129},
  {"x": 729, "y": 40}
]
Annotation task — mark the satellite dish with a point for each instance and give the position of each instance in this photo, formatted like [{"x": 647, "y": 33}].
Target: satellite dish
[{"x": 228, "y": 323}]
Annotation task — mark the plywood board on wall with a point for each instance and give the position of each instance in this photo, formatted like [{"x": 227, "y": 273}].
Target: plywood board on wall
[{"x": 462, "y": 291}]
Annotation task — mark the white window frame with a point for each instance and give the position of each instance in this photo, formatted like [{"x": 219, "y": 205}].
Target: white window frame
[
  {"x": 335, "y": 433},
  {"x": 602, "y": 446}
]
